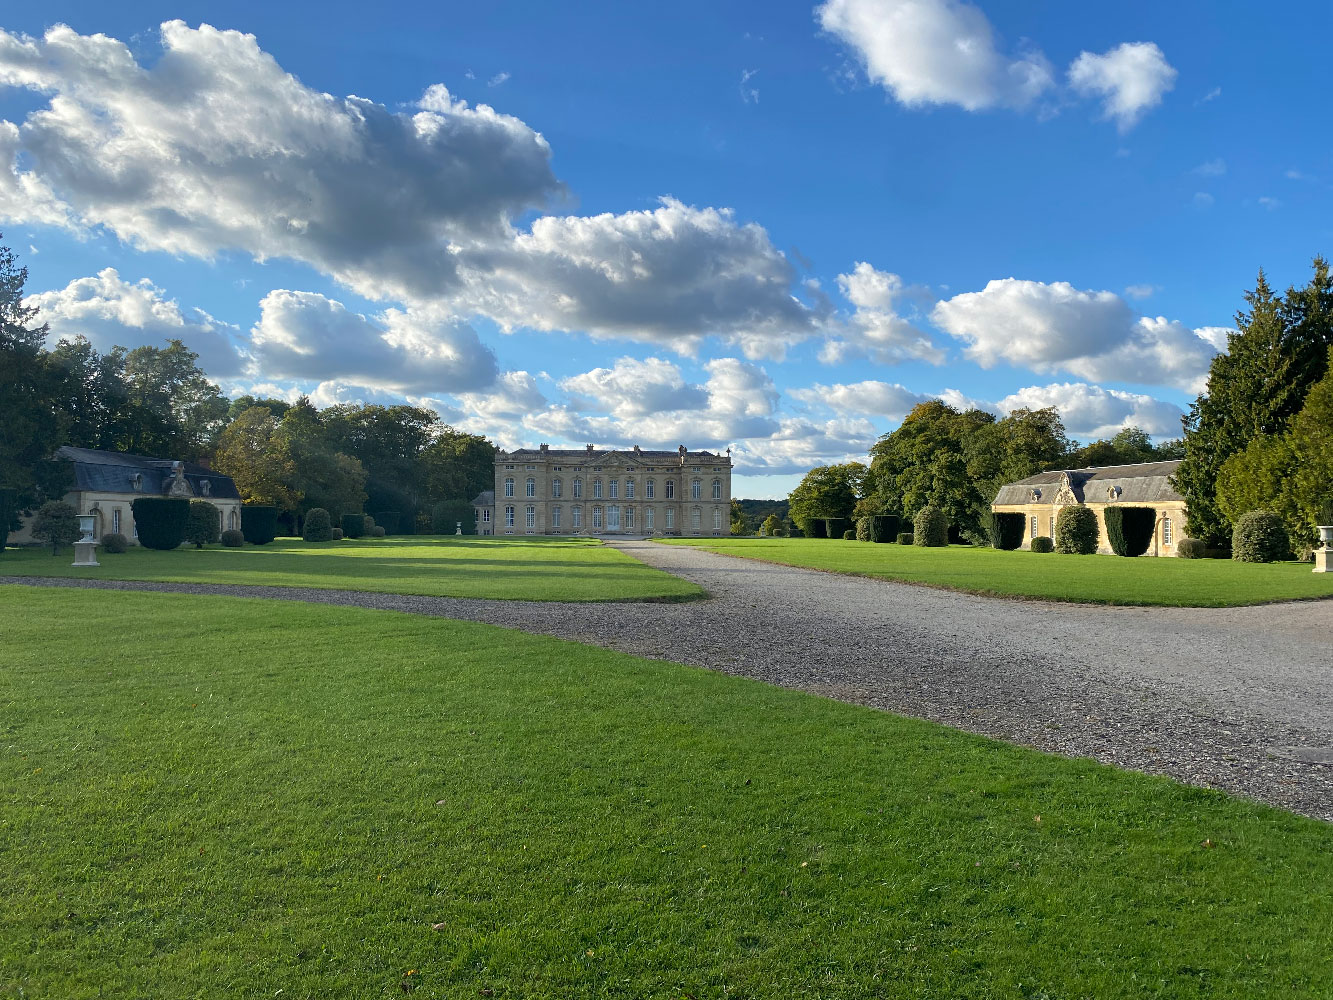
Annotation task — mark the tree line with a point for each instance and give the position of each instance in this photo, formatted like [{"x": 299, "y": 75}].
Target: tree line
[{"x": 158, "y": 402}]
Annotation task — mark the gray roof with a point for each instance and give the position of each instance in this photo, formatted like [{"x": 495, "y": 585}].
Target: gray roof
[
  {"x": 574, "y": 454},
  {"x": 486, "y": 498},
  {"x": 113, "y": 472},
  {"x": 1146, "y": 482}
]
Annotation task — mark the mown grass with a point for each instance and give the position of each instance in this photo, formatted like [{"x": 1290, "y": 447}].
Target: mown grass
[
  {"x": 534, "y": 569},
  {"x": 214, "y": 797},
  {"x": 1048, "y": 576}
]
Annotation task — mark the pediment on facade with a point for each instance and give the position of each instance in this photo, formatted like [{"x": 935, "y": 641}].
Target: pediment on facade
[{"x": 1065, "y": 493}]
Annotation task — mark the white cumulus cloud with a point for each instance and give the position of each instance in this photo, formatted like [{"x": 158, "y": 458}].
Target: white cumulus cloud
[
  {"x": 876, "y": 329},
  {"x": 634, "y": 388},
  {"x": 1130, "y": 79},
  {"x": 1091, "y": 411}
]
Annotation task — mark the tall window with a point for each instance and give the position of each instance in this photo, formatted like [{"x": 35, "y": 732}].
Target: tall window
[
  {"x": 597, "y": 489},
  {"x": 649, "y": 518},
  {"x": 717, "y": 489},
  {"x": 671, "y": 489},
  {"x": 1033, "y": 533},
  {"x": 1166, "y": 531},
  {"x": 694, "y": 519},
  {"x": 696, "y": 489},
  {"x": 509, "y": 486},
  {"x": 613, "y": 517},
  {"x": 555, "y": 517},
  {"x": 530, "y": 487},
  {"x": 614, "y": 486},
  {"x": 578, "y": 487},
  {"x": 629, "y": 518},
  {"x": 597, "y": 518},
  {"x": 115, "y": 520},
  {"x": 485, "y": 515},
  {"x": 530, "y": 517},
  {"x": 650, "y": 488},
  {"x": 576, "y": 513},
  {"x": 717, "y": 518},
  {"x": 555, "y": 488},
  {"x": 509, "y": 516},
  {"x": 670, "y": 518},
  {"x": 629, "y": 489}
]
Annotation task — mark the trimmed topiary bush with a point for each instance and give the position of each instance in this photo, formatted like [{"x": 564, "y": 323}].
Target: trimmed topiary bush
[
  {"x": 905, "y": 538},
  {"x": 1191, "y": 548},
  {"x": 1260, "y": 537},
  {"x": 368, "y": 524},
  {"x": 930, "y": 527},
  {"x": 815, "y": 527},
  {"x": 1005, "y": 529},
  {"x": 388, "y": 520},
  {"x": 259, "y": 523},
  {"x": 884, "y": 528},
  {"x": 446, "y": 516},
  {"x": 353, "y": 525},
  {"x": 835, "y": 526},
  {"x": 318, "y": 525},
  {"x": 1130, "y": 529},
  {"x": 1076, "y": 531},
  {"x": 232, "y": 539},
  {"x": 849, "y": 535},
  {"x": 202, "y": 526},
  {"x": 161, "y": 521},
  {"x": 337, "y": 534},
  {"x": 1042, "y": 544},
  {"x": 115, "y": 543},
  {"x": 863, "y": 529},
  {"x": 377, "y": 532}
]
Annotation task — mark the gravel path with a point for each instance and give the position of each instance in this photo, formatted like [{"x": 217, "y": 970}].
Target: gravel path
[{"x": 1233, "y": 698}]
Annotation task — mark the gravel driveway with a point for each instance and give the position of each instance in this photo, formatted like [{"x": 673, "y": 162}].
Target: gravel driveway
[{"x": 1232, "y": 698}]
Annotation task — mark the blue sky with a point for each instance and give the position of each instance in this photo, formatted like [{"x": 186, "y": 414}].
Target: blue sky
[{"x": 770, "y": 227}]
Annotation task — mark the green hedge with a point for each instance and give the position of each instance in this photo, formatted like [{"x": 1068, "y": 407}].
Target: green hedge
[
  {"x": 930, "y": 527},
  {"x": 259, "y": 524},
  {"x": 318, "y": 525},
  {"x": 863, "y": 529},
  {"x": 1042, "y": 544},
  {"x": 1130, "y": 529},
  {"x": 8, "y": 512},
  {"x": 814, "y": 527},
  {"x": 1076, "y": 531},
  {"x": 905, "y": 538},
  {"x": 202, "y": 526},
  {"x": 1260, "y": 537},
  {"x": 1005, "y": 529},
  {"x": 884, "y": 528},
  {"x": 353, "y": 525},
  {"x": 834, "y": 527},
  {"x": 446, "y": 515},
  {"x": 161, "y": 521},
  {"x": 388, "y": 520}
]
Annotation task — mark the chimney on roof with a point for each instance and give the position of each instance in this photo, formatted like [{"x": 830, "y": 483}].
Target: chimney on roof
[
  {"x": 589, "y": 449},
  {"x": 636, "y": 449},
  {"x": 546, "y": 447}
]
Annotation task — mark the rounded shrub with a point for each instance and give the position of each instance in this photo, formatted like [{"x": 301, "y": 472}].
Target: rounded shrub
[
  {"x": 1130, "y": 529},
  {"x": 862, "y": 529},
  {"x": 367, "y": 524},
  {"x": 1191, "y": 548},
  {"x": 203, "y": 524},
  {"x": 904, "y": 538},
  {"x": 337, "y": 534},
  {"x": 1042, "y": 544},
  {"x": 849, "y": 535},
  {"x": 884, "y": 528},
  {"x": 1005, "y": 529},
  {"x": 377, "y": 532},
  {"x": 161, "y": 521},
  {"x": 115, "y": 543},
  {"x": 353, "y": 525},
  {"x": 1076, "y": 531},
  {"x": 259, "y": 523},
  {"x": 930, "y": 527},
  {"x": 1260, "y": 537},
  {"x": 318, "y": 525},
  {"x": 232, "y": 538}
]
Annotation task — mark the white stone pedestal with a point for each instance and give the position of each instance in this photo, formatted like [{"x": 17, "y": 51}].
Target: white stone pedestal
[
  {"x": 1323, "y": 560},
  {"x": 85, "y": 554}
]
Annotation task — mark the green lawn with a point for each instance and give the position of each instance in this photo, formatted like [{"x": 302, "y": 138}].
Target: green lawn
[
  {"x": 1202, "y": 583},
  {"x": 215, "y": 797},
  {"x": 535, "y": 569}
]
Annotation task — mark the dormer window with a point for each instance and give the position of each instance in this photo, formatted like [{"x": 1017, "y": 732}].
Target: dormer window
[
  {"x": 1034, "y": 495},
  {"x": 1112, "y": 492},
  {"x": 136, "y": 482},
  {"x": 205, "y": 487}
]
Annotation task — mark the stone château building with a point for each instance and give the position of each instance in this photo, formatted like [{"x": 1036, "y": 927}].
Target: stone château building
[
  {"x": 590, "y": 491},
  {"x": 1147, "y": 484}
]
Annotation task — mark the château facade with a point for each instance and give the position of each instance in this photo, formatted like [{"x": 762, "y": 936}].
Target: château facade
[{"x": 590, "y": 491}]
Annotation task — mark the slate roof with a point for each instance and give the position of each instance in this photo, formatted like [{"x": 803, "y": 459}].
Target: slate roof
[
  {"x": 583, "y": 454},
  {"x": 486, "y": 498},
  {"x": 113, "y": 472},
  {"x": 1146, "y": 482}
]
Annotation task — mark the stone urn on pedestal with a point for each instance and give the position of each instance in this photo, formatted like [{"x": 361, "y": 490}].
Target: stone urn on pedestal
[{"x": 85, "y": 549}]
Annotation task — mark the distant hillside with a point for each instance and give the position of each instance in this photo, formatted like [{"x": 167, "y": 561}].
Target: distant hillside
[{"x": 757, "y": 510}]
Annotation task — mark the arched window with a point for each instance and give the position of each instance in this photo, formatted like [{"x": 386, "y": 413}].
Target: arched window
[
  {"x": 614, "y": 485},
  {"x": 530, "y": 487},
  {"x": 578, "y": 487},
  {"x": 629, "y": 489},
  {"x": 530, "y": 516},
  {"x": 509, "y": 516},
  {"x": 234, "y": 520},
  {"x": 717, "y": 518},
  {"x": 555, "y": 488},
  {"x": 576, "y": 512},
  {"x": 650, "y": 489},
  {"x": 509, "y": 486},
  {"x": 597, "y": 518},
  {"x": 694, "y": 518},
  {"x": 717, "y": 489},
  {"x": 555, "y": 517},
  {"x": 671, "y": 489},
  {"x": 696, "y": 489},
  {"x": 597, "y": 489}
]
